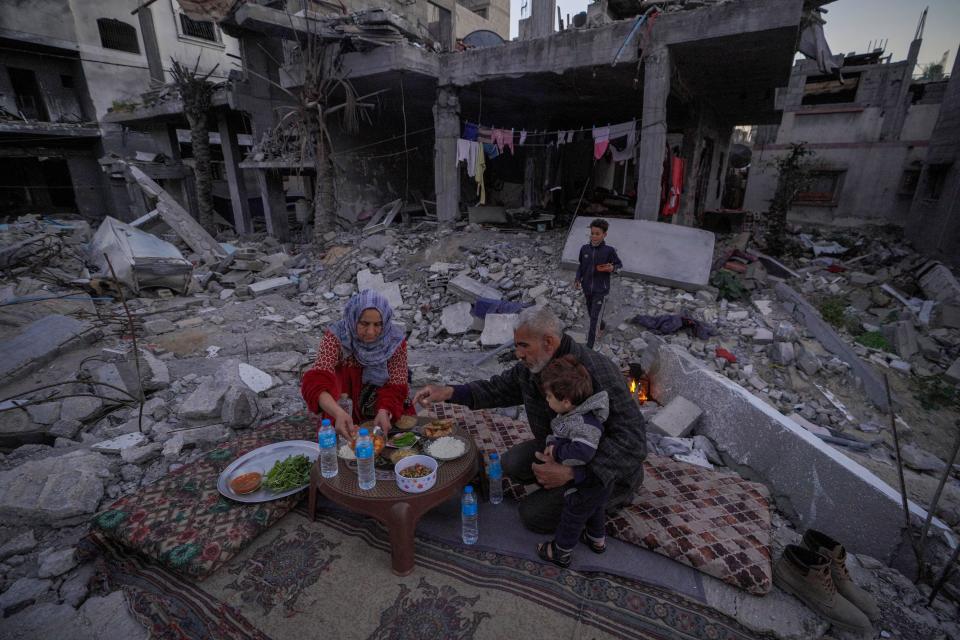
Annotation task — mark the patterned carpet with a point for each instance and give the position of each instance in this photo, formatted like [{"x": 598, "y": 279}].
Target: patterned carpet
[
  {"x": 711, "y": 520},
  {"x": 331, "y": 577}
]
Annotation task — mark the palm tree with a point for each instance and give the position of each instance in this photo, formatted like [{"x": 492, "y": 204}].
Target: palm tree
[{"x": 196, "y": 92}]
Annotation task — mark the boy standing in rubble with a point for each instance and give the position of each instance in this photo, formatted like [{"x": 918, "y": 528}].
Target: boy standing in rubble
[{"x": 597, "y": 261}]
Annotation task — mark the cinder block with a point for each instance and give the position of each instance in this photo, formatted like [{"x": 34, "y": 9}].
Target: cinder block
[{"x": 677, "y": 419}]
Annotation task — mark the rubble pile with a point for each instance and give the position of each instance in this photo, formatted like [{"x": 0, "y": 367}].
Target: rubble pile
[{"x": 95, "y": 414}]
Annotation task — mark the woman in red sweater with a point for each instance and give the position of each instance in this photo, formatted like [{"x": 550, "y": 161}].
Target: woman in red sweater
[{"x": 364, "y": 355}]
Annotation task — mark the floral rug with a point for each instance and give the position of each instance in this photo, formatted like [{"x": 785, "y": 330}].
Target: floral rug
[
  {"x": 183, "y": 522},
  {"x": 331, "y": 579}
]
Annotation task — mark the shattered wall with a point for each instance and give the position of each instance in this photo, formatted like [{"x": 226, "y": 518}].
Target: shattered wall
[{"x": 868, "y": 146}]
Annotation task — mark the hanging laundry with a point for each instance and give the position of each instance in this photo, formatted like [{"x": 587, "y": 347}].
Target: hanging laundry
[
  {"x": 491, "y": 150},
  {"x": 469, "y": 131},
  {"x": 561, "y": 137},
  {"x": 507, "y": 140},
  {"x": 601, "y": 140},
  {"x": 467, "y": 152},
  {"x": 485, "y": 135},
  {"x": 672, "y": 205},
  {"x": 463, "y": 151},
  {"x": 623, "y": 140},
  {"x": 481, "y": 168},
  {"x": 523, "y": 137},
  {"x": 570, "y": 136}
]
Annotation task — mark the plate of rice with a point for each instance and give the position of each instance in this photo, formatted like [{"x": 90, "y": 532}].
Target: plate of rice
[{"x": 447, "y": 447}]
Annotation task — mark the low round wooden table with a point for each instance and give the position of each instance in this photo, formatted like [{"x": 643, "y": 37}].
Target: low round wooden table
[{"x": 397, "y": 510}]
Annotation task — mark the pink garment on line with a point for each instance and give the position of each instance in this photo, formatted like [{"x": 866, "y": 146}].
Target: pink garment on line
[{"x": 601, "y": 140}]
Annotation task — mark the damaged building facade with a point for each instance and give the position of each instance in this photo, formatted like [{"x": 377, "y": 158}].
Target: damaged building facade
[{"x": 882, "y": 148}]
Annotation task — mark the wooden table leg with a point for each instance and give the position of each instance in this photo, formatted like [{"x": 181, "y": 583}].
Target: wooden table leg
[{"x": 401, "y": 522}]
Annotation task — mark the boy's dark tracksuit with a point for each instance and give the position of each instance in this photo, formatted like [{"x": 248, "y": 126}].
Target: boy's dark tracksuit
[
  {"x": 575, "y": 436},
  {"x": 596, "y": 284}
]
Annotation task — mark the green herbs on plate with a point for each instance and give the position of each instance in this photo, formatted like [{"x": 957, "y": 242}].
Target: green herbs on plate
[
  {"x": 404, "y": 440},
  {"x": 290, "y": 473}
]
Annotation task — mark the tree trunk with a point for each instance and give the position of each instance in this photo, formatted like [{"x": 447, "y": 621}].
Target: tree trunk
[
  {"x": 200, "y": 141},
  {"x": 324, "y": 215}
]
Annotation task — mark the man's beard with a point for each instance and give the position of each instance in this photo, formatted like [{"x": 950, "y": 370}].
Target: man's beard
[{"x": 538, "y": 365}]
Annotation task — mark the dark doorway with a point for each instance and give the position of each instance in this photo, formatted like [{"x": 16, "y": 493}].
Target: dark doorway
[
  {"x": 29, "y": 185},
  {"x": 27, "y": 94}
]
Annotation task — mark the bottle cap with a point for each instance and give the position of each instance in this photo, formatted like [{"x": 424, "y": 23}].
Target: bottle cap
[
  {"x": 468, "y": 488},
  {"x": 494, "y": 456},
  {"x": 325, "y": 422},
  {"x": 364, "y": 433}
]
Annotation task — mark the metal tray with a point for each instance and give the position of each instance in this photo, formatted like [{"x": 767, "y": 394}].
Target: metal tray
[{"x": 262, "y": 460}]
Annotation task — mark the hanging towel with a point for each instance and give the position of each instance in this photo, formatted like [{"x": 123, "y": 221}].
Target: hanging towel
[
  {"x": 570, "y": 136},
  {"x": 507, "y": 140},
  {"x": 485, "y": 135},
  {"x": 672, "y": 205},
  {"x": 463, "y": 151},
  {"x": 481, "y": 167},
  {"x": 523, "y": 138},
  {"x": 498, "y": 138},
  {"x": 469, "y": 131},
  {"x": 601, "y": 140},
  {"x": 491, "y": 150},
  {"x": 467, "y": 152},
  {"x": 623, "y": 139}
]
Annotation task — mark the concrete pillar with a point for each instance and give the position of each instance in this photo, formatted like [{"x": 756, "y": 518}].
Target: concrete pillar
[
  {"x": 274, "y": 204},
  {"x": 653, "y": 133},
  {"x": 446, "y": 173},
  {"x": 238, "y": 189},
  {"x": 188, "y": 184},
  {"x": 150, "y": 47}
]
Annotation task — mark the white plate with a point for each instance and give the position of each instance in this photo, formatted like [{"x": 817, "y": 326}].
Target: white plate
[
  {"x": 428, "y": 446},
  {"x": 262, "y": 460}
]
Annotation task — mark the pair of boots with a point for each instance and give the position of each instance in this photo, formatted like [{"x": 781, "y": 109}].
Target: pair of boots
[{"x": 816, "y": 573}]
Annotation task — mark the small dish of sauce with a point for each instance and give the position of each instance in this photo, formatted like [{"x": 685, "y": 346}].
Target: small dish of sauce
[{"x": 246, "y": 482}]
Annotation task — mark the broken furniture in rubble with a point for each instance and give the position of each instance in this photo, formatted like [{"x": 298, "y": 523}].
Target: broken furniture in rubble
[{"x": 139, "y": 259}]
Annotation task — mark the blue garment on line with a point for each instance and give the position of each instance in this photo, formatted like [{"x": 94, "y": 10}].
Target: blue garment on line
[
  {"x": 491, "y": 150},
  {"x": 469, "y": 131}
]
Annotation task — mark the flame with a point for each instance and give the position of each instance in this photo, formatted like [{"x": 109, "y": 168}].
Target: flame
[{"x": 640, "y": 389}]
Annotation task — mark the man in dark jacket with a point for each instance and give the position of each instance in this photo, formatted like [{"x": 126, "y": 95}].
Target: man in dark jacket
[
  {"x": 618, "y": 463},
  {"x": 597, "y": 261}
]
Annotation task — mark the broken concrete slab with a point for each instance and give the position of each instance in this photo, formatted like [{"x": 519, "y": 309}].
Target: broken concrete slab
[
  {"x": 56, "y": 562},
  {"x": 40, "y": 342},
  {"x": 258, "y": 381},
  {"x": 457, "y": 318},
  {"x": 154, "y": 371},
  {"x": 158, "y": 326},
  {"x": 948, "y": 315},
  {"x": 763, "y": 336},
  {"x": 677, "y": 418},
  {"x": 109, "y": 374},
  {"x": 817, "y": 486},
  {"x": 21, "y": 593},
  {"x": 46, "y": 413},
  {"x": 17, "y": 428},
  {"x": 781, "y": 353},
  {"x": 938, "y": 282},
  {"x": 803, "y": 312},
  {"x": 21, "y": 544},
  {"x": 809, "y": 426},
  {"x": 953, "y": 373},
  {"x": 140, "y": 455},
  {"x": 209, "y": 434},
  {"x": 48, "y": 620},
  {"x": 80, "y": 408},
  {"x": 498, "y": 329},
  {"x": 466, "y": 288},
  {"x": 205, "y": 402},
  {"x": 668, "y": 254},
  {"x": 273, "y": 285},
  {"x": 239, "y": 407},
  {"x": 118, "y": 444},
  {"x": 59, "y": 491},
  {"x": 903, "y": 337}
]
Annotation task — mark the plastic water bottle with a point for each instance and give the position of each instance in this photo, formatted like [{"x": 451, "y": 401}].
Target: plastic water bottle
[
  {"x": 327, "y": 439},
  {"x": 495, "y": 476},
  {"x": 364, "y": 452},
  {"x": 469, "y": 521},
  {"x": 346, "y": 404}
]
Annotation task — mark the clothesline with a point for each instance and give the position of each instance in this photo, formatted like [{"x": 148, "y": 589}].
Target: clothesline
[{"x": 544, "y": 132}]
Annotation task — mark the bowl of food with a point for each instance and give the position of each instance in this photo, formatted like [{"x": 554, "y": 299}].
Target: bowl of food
[
  {"x": 403, "y": 440},
  {"x": 438, "y": 428},
  {"x": 416, "y": 474},
  {"x": 405, "y": 423},
  {"x": 246, "y": 480}
]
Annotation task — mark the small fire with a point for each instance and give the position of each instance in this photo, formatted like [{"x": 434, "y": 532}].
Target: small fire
[{"x": 641, "y": 389}]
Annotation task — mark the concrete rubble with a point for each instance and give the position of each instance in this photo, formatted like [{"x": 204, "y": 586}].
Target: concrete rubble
[{"x": 213, "y": 364}]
